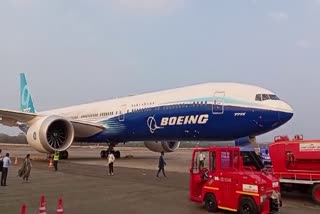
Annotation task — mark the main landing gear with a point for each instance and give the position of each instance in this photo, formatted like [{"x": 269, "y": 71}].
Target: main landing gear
[
  {"x": 105, "y": 153},
  {"x": 63, "y": 155}
]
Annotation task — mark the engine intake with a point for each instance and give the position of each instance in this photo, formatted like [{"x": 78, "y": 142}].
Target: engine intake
[
  {"x": 49, "y": 134},
  {"x": 159, "y": 146},
  {"x": 245, "y": 141}
]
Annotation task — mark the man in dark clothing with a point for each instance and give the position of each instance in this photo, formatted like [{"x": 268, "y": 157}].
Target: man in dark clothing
[
  {"x": 162, "y": 163},
  {"x": 6, "y": 164}
]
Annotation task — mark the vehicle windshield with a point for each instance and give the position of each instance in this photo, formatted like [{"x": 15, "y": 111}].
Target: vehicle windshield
[{"x": 250, "y": 158}]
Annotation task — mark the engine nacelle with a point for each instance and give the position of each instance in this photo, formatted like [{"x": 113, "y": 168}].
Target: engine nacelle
[
  {"x": 165, "y": 146},
  {"x": 245, "y": 141},
  {"x": 50, "y": 134}
]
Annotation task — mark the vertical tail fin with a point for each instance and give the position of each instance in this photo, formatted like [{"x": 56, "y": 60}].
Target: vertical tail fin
[{"x": 26, "y": 103}]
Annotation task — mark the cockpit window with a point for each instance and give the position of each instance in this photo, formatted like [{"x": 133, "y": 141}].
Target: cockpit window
[
  {"x": 265, "y": 97},
  {"x": 262, "y": 97},
  {"x": 258, "y": 97},
  {"x": 274, "y": 97}
]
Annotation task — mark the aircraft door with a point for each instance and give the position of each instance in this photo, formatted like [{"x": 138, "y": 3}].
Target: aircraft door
[
  {"x": 123, "y": 110},
  {"x": 218, "y": 102}
]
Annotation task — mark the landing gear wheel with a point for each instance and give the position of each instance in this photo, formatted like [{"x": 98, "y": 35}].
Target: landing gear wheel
[
  {"x": 316, "y": 193},
  {"x": 247, "y": 206},
  {"x": 63, "y": 155},
  {"x": 116, "y": 154},
  {"x": 103, "y": 154},
  {"x": 211, "y": 203},
  {"x": 66, "y": 155}
]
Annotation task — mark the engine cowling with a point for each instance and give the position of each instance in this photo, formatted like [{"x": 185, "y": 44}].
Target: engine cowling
[
  {"x": 245, "y": 141},
  {"x": 51, "y": 133},
  {"x": 159, "y": 146}
]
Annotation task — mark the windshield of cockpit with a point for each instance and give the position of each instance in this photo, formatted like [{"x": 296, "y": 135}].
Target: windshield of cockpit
[{"x": 262, "y": 97}]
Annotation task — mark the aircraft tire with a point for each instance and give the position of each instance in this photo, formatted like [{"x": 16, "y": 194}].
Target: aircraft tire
[
  {"x": 66, "y": 155},
  {"x": 117, "y": 154},
  {"x": 103, "y": 154},
  {"x": 63, "y": 155}
]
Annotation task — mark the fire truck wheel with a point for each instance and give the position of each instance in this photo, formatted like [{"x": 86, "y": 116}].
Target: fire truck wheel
[
  {"x": 211, "y": 203},
  {"x": 247, "y": 206},
  {"x": 316, "y": 193}
]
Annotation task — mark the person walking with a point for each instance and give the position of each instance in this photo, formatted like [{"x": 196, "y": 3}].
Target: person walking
[
  {"x": 25, "y": 170},
  {"x": 1, "y": 160},
  {"x": 161, "y": 165},
  {"x": 56, "y": 160},
  {"x": 6, "y": 164},
  {"x": 111, "y": 160}
]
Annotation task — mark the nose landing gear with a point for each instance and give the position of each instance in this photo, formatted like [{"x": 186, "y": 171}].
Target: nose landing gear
[{"x": 105, "y": 153}]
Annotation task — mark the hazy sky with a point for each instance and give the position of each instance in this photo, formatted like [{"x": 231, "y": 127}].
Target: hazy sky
[{"x": 79, "y": 51}]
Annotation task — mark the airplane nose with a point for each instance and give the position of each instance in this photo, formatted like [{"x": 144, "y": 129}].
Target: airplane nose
[
  {"x": 283, "y": 106},
  {"x": 285, "y": 113},
  {"x": 285, "y": 116}
]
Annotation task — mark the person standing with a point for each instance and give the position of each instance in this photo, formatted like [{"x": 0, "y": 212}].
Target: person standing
[
  {"x": 6, "y": 164},
  {"x": 202, "y": 157},
  {"x": 1, "y": 161},
  {"x": 24, "y": 172},
  {"x": 161, "y": 165},
  {"x": 111, "y": 160},
  {"x": 56, "y": 160}
]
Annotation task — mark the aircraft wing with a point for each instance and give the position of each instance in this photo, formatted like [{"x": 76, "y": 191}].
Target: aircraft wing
[{"x": 13, "y": 118}]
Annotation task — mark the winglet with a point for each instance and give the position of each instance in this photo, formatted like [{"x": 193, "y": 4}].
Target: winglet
[{"x": 26, "y": 103}]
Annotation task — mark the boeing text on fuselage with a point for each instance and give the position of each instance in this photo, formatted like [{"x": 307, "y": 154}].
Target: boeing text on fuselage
[{"x": 176, "y": 121}]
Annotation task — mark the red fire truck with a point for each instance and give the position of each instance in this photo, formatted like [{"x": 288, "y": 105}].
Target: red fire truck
[
  {"x": 219, "y": 179},
  {"x": 297, "y": 163}
]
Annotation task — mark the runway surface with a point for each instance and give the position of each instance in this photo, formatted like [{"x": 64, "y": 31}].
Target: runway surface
[{"x": 85, "y": 187}]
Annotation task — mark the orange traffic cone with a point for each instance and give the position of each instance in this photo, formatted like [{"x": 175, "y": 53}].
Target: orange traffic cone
[
  {"x": 60, "y": 207},
  {"x": 42, "y": 208},
  {"x": 16, "y": 161},
  {"x": 50, "y": 164},
  {"x": 23, "y": 209}
]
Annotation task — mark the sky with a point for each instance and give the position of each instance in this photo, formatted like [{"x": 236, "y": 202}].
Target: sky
[{"x": 81, "y": 51}]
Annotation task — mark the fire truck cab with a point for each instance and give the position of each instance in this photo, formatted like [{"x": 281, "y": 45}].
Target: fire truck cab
[{"x": 220, "y": 181}]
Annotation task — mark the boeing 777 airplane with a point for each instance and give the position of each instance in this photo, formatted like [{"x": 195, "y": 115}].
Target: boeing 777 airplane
[{"x": 202, "y": 112}]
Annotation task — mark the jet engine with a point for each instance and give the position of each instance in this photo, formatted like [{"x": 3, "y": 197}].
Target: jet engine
[
  {"x": 51, "y": 133},
  {"x": 245, "y": 141},
  {"x": 165, "y": 146}
]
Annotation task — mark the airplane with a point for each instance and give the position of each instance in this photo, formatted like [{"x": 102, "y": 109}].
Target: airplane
[{"x": 221, "y": 111}]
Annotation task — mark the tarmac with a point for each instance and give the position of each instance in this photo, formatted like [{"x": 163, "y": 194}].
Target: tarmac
[{"x": 85, "y": 187}]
